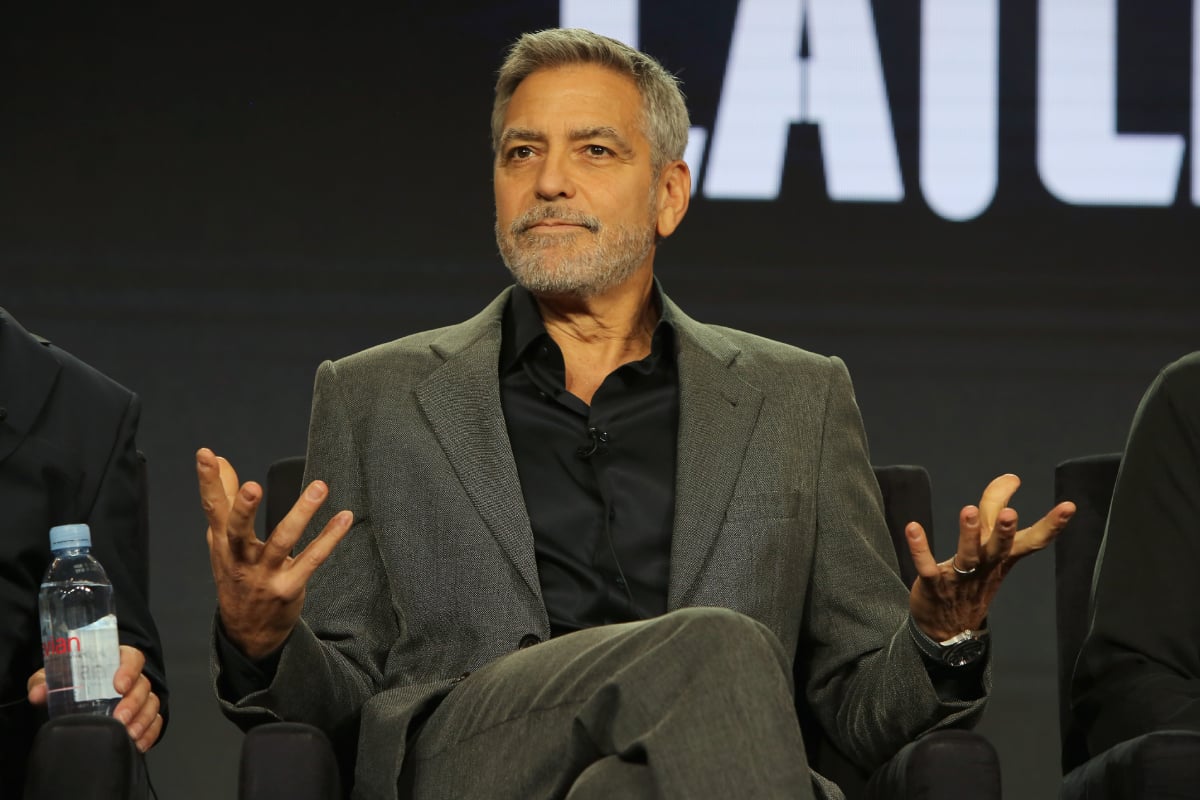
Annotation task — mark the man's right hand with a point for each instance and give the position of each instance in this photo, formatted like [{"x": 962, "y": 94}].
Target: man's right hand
[{"x": 260, "y": 586}]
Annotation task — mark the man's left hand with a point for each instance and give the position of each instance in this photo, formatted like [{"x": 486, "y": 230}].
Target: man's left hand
[
  {"x": 954, "y": 596},
  {"x": 138, "y": 709}
]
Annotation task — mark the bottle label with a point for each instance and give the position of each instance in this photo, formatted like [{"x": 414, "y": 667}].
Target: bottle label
[{"x": 94, "y": 662}]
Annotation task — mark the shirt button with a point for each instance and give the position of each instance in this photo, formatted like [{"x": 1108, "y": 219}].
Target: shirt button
[
  {"x": 527, "y": 641},
  {"x": 462, "y": 677}
]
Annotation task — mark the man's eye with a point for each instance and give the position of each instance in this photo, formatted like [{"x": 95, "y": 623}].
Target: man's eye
[
  {"x": 522, "y": 151},
  {"x": 597, "y": 150}
]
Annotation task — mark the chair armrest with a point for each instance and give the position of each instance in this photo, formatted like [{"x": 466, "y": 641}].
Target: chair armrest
[
  {"x": 1154, "y": 766},
  {"x": 950, "y": 764},
  {"x": 288, "y": 760},
  {"x": 85, "y": 755}
]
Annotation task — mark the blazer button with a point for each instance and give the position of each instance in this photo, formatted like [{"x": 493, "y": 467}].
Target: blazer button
[{"x": 527, "y": 641}]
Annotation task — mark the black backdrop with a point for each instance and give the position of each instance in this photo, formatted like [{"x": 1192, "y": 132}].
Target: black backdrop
[{"x": 205, "y": 206}]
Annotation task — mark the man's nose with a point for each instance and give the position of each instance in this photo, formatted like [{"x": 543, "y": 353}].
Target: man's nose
[{"x": 554, "y": 178}]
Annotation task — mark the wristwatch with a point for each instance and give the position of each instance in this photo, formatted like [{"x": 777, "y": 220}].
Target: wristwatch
[{"x": 957, "y": 651}]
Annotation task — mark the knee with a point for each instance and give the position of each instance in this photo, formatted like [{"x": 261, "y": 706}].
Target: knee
[{"x": 721, "y": 630}]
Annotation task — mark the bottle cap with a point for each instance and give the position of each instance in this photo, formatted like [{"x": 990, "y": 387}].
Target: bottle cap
[{"x": 67, "y": 537}]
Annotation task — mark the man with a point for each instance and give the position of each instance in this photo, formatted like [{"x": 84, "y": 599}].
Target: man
[
  {"x": 1139, "y": 667},
  {"x": 67, "y": 454},
  {"x": 589, "y": 533}
]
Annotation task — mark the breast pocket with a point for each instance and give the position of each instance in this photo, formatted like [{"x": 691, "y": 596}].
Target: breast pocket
[{"x": 763, "y": 506}]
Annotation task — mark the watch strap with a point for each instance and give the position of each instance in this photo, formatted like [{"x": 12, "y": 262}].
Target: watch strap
[{"x": 958, "y": 651}]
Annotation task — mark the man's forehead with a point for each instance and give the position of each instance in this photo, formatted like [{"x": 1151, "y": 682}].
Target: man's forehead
[{"x": 574, "y": 98}]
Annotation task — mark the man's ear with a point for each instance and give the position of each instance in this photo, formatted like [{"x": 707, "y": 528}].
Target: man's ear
[{"x": 674, "y": 194}]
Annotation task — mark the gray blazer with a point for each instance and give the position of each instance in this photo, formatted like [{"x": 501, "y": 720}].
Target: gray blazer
[{"x": 778, "y": 516}]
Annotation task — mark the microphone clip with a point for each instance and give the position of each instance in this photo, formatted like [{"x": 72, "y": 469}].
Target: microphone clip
[{"x": 598, "y": 444}]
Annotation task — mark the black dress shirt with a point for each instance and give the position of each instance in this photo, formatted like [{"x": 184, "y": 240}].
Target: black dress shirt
[{"x": 598, "y": 480}]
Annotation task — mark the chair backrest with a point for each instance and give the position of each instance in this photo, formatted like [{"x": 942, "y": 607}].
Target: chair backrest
[
  {"x": 907, "y": 497},
  {"x": 284, "y": 483},
  {"x": 1088, "y": 482}
]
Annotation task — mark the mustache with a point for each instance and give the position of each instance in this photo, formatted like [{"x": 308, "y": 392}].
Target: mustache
[{"x": 542, "y": 213}]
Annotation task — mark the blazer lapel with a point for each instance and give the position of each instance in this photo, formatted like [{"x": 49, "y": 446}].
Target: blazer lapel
[
  {"x": 717, "y": 414},
  {"x": 461, "y": 399}
]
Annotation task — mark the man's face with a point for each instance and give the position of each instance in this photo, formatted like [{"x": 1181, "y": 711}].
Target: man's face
[{"x": 576, "y": 197}]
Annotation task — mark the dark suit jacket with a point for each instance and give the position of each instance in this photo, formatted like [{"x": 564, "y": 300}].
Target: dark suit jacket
[
  {"x": 67, "y": 454},
  {"x": 1139, "y": 668},
  {"x": 778, "y": 516}
]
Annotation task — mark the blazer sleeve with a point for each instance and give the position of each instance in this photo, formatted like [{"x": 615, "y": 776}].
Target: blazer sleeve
[
  {"x": 335, "y": 659},
  {"x": 866, "y": 680},
  {"x": 1139, "y": 668}
]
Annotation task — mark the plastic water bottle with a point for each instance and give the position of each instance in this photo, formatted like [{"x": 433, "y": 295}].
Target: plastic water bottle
[{"x": 80, "y": 646}]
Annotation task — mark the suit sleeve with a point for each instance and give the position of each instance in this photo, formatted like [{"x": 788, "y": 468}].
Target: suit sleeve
[
  {"x": 1139, "y": 668},
  {"x": 121, "y": 544},
  {"x": 335, "y": 658},
  {"x": 867, "y": 681}
]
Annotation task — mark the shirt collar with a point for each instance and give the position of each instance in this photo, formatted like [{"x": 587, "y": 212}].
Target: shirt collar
[{"x": 523, "y": 327}]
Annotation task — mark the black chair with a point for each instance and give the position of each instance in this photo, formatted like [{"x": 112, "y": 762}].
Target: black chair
[
  {"x": 288, "y": 760},
  {"x": 85, "y": 757},
  {"x": 1164, "y": 764},
  {"x": 949, "y": 764}
]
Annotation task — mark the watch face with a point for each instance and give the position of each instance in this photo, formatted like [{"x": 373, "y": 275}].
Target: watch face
[{"x": 963, "y": 653}]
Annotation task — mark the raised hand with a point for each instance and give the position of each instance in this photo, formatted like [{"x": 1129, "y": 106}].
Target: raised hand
[
  {"x": 260, "y": 585},
  {"x": 954, "y": 595}
]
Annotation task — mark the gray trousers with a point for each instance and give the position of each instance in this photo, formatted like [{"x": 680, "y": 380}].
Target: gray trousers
[{"x": 694, "y": 704}]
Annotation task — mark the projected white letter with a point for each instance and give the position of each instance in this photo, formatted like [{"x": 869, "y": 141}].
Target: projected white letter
[
  {"x": 960, "y": 67},
  {"x": 1081, "y": 158},
  {"x": 761, "y": 99}
]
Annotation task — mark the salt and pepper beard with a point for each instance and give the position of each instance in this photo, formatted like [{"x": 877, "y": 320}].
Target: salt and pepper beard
[{"x": 589, "y": 267}]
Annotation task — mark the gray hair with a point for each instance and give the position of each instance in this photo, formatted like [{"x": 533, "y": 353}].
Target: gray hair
[{"x": 664, "y": 113}]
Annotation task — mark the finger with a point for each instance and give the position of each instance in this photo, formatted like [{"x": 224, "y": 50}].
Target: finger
[
  {"x": 291, "y": 527},
  {"x": 1000, "y": 543},
  {"x": 229, "y": 478},
  {"x": 967, "y": 555},
  {"x": 153, "y": 731},
  {"x": 145, "y": 714},
  {"x": 319, "y": 548},
  {"x": 131, "y": 705},
  {"x": 240, "y": 528},
  {"x": 995, "y": 498},
  {"x": 918, "y": 545},
  {"x": 130, "y": 668},
  {"x": 36, "y": 688},
  {"x": 1042, "y": 532},
  {"x": 213, "y": 498}
]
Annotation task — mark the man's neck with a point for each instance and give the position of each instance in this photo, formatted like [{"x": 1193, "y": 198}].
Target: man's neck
[{"x": 600, "y": 333}]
